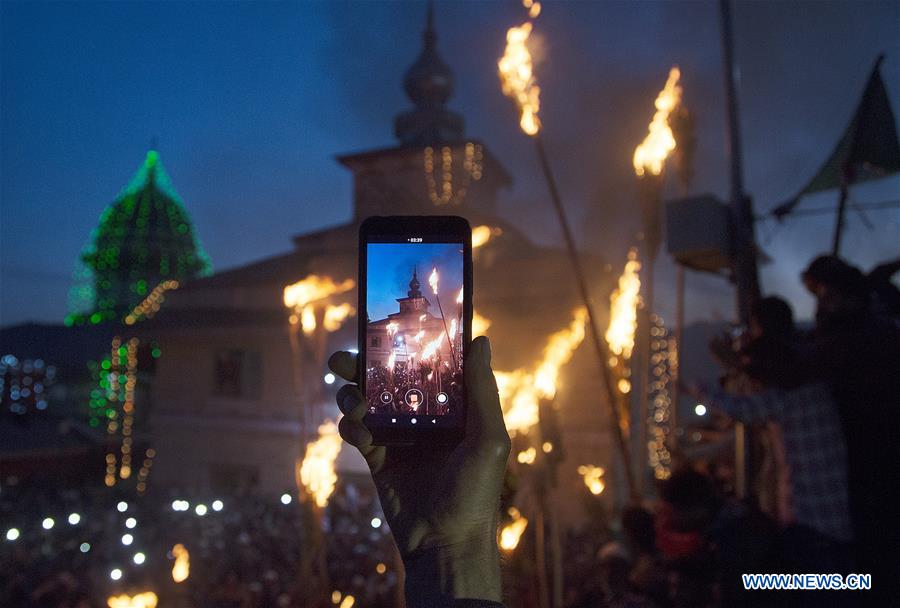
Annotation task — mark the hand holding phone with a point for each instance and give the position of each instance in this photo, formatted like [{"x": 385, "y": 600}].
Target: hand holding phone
[
  {"x": 441, "y": 501},
  {"x": 415, "y": 303}
]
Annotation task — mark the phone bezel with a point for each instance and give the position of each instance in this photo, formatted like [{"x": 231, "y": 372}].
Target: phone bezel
[{"x": 454, "y": 227}]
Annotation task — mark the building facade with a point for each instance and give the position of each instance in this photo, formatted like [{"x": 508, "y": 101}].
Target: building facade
[{"x": 239, "y": 387}]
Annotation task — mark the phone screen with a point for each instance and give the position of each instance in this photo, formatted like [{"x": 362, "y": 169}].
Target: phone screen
[{"x": 414, "y": 339}]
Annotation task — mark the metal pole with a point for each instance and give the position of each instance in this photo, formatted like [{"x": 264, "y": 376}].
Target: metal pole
[
  {"x": 743, "y": 240},
  {"x": 839, "y": 224},
  {"x": 446, "y": 331},
  {"x": 679, "y": 332},
  {"x": 599, "y": 346},
  {"x": 745, "y": 273}
]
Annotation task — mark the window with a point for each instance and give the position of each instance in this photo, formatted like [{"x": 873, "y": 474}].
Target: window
[
  {"x": 233, "y": 478},
  {"x": 238, "y": 374},
  {"x": 376, "y": 341}
]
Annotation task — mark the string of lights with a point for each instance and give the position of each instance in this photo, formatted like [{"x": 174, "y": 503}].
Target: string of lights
[
  {"x": 472, "y": 167},
  {"x": 664, "y": 369}
]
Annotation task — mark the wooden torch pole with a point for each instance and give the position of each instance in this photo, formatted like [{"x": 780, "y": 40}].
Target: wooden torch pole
[{"x": 599, "y": 345}]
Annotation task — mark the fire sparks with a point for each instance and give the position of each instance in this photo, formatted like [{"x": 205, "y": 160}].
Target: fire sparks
[
  {"x": 593, "y": 478},
  {"x": 521, "y": 391},
  {"x": 512, "y": 532},
  {"x": 182, "y": 568},
  {"x": 623, "y": 309},
  {"x": 146, "y": 599},
  {"x": 651, "y": 154},
  {"x": 303, "y": 296},
  {"x": 317, "y": 469}
]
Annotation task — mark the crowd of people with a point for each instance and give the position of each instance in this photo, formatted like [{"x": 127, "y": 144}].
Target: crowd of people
[
  {"x": 75, "y": 548},
  {"x": 822, "y": 406},
  {"x": 822, "y": 409}
]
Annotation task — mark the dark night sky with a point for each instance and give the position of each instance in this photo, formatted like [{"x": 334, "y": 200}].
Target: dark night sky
[
  {"x": 390, "y": 269},
  {"x": 250, "y": 102}
]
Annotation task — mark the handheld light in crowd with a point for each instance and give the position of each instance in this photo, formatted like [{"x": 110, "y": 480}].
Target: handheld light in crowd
[
  {"x": 130, "y": 523},
  {"x": 376, "y": 522},
  {"x": 127, "y": 539},
  {"x": 200, "y": 510},
  {"x": 115, "y": 574},
  {"x": 139, "y": 558},
  {"x": 146, "y": 599},
  {"x": 182, "y": 568},
  {"x": 74, "y": 518},
  {"x": 12, "y": 534},
  {"x": 700, "y": 409},
  {"x": 122, "y": 506},
  {"x": 217, "y": 505},
  {"x": 48, "y": 523},
  {"x": 286, "y": 499}
]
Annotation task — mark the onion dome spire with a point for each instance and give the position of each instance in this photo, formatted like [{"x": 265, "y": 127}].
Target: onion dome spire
[
  {"x": 429, "y": 84},
  {"x": 414, "y": 285}
]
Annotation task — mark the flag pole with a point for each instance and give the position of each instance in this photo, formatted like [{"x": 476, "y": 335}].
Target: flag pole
[
  {"x": 839, "y": 222},
  {"x": 599, "y": 346}
]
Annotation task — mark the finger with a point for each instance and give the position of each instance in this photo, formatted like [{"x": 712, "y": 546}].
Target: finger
[
  {"x": 351, "y": 401},
  {"x": 485, "y": 417},
  {"x": 343, "y": 364},
  {"x": 356, "y": 434}
]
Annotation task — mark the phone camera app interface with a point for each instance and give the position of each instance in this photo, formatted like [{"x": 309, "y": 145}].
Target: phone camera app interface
[{"x": 414, "y": 343}]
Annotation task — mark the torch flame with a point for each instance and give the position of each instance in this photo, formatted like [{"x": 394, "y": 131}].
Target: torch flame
[
  {"x": 146, "y": 599},
  {"x": 623, "y": 305},
  {"x": 314, "y": 288},
  {"x": 592, "y": 478},
  {"x": 557, "y": 353},
  {"x": 534, "y": 8},
  {"x": 482, "y": 234},
  {"x": 520, "y": 390},
  {"x": 317, "y": 469},
  {"x": 651, "y": 154},
  {"x": 517, "y": 80},
  {"x": 392, "y": 359},
  {"x": 433, "y": 280},
  {"x": 336, "y": 315},
  {"x": 480, "y": 324},
  {"x": 303, "y": 296},
  {"x": 512, "y": 532},
  {"x": 182, "y": 568}
]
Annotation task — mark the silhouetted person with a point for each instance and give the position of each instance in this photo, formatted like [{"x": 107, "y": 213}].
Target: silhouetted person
[{"x": 858, "y": 354}]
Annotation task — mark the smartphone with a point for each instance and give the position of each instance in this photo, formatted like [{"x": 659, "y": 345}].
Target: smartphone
[{"x": 415, "y": 325}]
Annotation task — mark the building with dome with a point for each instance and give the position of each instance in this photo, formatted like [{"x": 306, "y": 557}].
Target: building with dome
[
  {"x": 242, "y": 383},
  {"x": 145, "y": 237}
]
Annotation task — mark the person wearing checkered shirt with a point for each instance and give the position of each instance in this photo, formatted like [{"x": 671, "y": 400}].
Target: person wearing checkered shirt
[{"x": 814, "y": 449}]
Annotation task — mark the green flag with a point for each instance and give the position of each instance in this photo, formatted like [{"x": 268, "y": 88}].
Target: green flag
[{"x": 867, "y": 150}]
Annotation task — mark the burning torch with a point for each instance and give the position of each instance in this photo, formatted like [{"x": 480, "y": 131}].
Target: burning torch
[
  {"x": 516, "y": 70},
  {"x": 433, "y": 281}
]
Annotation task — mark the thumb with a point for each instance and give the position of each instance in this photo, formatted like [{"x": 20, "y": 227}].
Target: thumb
[{"x": 485, "y": 416}]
